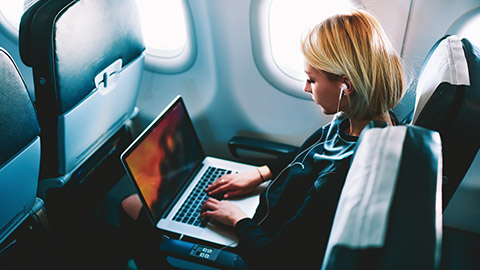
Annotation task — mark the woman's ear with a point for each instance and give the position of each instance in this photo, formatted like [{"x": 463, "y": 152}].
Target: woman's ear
[{"x": 348, "y": 88}]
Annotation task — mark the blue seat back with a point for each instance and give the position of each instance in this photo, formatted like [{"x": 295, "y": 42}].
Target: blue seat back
[
  {"x": 448, "y": 101},
  {"x": 20, "y": 148},
  {"x": 389, "y": 215},
  {"x": 87, "y": 59}
]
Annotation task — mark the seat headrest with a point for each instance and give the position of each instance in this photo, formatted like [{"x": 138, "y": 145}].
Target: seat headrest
[
  {"x": 76, "y": 40},
  {"x": 445, "y": 63},
  {"x": 18, "y": 120}
]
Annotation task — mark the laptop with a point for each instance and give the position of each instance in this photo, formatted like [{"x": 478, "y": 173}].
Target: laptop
[{"x": 170, "y": 172}]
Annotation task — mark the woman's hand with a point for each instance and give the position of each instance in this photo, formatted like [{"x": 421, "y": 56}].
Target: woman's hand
[
  {"x": 232, "y": 185},
  {"x": 222, "y": 211}
]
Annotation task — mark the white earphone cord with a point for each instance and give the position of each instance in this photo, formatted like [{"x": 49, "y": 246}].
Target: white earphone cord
[
  {"x": 293, "y": 163},
  {"x": 344, "y": 87}
]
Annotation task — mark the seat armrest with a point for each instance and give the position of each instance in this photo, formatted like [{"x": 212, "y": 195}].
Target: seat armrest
[
  {"x": 186, "y": 255},
  {"x": 258, "y": 145}
]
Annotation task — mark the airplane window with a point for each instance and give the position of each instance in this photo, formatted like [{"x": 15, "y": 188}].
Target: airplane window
[
  {"x": 10, "y": 14},
  {"x": 285, "y": 34},
  {"x": 168, "y": 35},
  {"x": 276, "y": 40}
]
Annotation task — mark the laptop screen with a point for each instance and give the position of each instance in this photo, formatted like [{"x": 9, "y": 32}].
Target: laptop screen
[{"x": 162, "y": 157}]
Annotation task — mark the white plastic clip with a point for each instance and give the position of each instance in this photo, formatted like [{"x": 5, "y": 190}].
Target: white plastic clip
[{"x": 106, "y": 80}]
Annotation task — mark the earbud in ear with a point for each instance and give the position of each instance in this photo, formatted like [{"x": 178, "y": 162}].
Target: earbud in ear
[{"x": 342, "y": 90}]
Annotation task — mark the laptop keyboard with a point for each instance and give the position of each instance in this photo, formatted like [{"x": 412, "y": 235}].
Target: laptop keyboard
[{"x": 189, "y": 212}]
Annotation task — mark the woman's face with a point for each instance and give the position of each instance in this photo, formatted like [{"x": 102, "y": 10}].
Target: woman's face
[{"x": 324, "y": 91}]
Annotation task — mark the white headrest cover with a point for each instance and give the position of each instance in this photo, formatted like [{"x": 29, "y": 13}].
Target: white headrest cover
[{"x": 446, "y": 64}]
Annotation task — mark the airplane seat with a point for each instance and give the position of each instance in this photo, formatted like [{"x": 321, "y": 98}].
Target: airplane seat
[
  {"x": 87, "y": 59},
  {"x": 389, "y": 213},
  {"x": 19, "y": 160},
  {"x": 448, "y": 101}
]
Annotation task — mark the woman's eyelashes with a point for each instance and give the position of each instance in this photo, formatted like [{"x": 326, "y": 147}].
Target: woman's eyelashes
[{"x": 309, "y": 81}]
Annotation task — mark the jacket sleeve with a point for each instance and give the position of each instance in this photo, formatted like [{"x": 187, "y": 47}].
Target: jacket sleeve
[{"x": 302, "y": 240}]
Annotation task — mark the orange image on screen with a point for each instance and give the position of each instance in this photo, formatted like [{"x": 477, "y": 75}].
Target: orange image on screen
[{"x": 150, "y": 158}]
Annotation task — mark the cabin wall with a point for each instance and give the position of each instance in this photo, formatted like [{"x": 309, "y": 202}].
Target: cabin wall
[
  {"x": 224, "y": 91},
  {"x": 429, "y": 21}
]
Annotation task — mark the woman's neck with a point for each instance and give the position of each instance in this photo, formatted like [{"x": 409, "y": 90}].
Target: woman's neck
[{"x": 356, "y": 126}]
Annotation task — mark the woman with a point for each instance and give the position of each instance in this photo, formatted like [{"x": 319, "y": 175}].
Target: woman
[
  {"x": 353, "y": 69},
  {"x": 353, "y": 72}
]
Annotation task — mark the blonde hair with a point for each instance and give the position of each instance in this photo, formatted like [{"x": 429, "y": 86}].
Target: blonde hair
[{"x": 354, "y": 45}]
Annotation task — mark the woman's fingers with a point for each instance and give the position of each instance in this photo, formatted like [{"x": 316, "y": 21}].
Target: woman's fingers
[
  {"x": 209, "y": 204},
  {"x": 222, "y": 211},
  {"x": 221, "y": 185},
  {"x": 208, "y": 207},
  {"x": 231, "y": 185},
  {"x": 222, "y": 180}
]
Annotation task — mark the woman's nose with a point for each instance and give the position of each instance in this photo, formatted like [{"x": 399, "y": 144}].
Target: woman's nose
[{"x": 307, "y": 88}]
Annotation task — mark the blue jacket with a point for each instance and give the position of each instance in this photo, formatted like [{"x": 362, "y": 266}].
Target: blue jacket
[{"x": 301, "y": 204}]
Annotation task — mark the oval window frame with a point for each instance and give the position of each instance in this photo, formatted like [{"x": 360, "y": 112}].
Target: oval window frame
[
  {"x": 177, "y": 61},
  {"x": 262, "y": 52}
]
